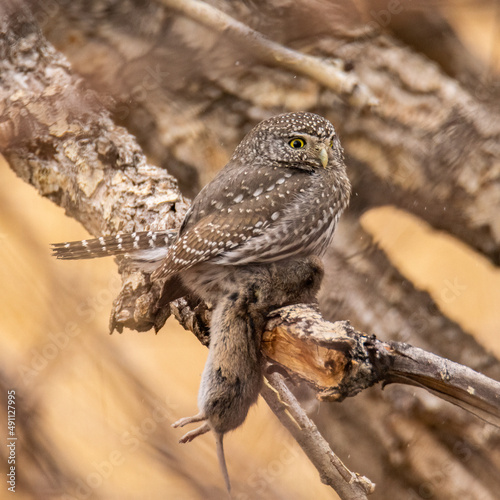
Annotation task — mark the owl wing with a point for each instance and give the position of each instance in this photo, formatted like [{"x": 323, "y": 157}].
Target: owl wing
[{"x": 225, "y": 216}]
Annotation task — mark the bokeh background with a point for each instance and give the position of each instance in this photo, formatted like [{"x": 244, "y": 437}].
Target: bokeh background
[{"x": 94, "y": 410}]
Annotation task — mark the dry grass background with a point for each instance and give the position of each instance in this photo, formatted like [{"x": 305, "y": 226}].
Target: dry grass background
[{"x": 99, "y": 407}]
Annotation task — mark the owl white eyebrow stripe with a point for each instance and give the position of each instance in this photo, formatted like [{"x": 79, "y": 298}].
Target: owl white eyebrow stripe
[{"x": 299, "y": 135}]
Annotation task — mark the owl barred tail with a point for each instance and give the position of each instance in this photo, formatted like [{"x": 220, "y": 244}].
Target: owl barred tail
[{"x": 141, "y": 242}]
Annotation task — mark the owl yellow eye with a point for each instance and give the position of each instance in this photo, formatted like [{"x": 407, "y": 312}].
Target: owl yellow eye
[{"x": 297, "y": 143}]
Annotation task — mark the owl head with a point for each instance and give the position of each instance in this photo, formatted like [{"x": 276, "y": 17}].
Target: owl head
[{"x": 299, "y": 140}]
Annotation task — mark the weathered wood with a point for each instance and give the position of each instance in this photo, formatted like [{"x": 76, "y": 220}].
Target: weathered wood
[
  {"x": 57, "y": 136},
  {"x": 348, "y": 485},
  {"x": 339, "y": 362}
]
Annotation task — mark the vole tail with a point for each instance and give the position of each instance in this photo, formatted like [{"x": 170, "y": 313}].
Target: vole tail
[{"x": 222, "y": 460}]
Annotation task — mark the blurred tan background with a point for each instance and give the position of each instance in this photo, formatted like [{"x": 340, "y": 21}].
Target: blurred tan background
[{"x": 100, "y": 406}]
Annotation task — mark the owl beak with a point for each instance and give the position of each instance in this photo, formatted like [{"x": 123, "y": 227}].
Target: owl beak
[{"x": 323, "y": 156}]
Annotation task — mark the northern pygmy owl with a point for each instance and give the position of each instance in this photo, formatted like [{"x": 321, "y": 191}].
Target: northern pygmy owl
[{"x": 278, "y": 198}]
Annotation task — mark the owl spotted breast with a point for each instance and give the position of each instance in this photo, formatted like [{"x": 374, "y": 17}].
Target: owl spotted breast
[{"x": 278, "y": 198}]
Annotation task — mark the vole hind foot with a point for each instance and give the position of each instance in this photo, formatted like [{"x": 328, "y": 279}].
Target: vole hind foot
[
  {"x": 199, "y": 417},
  {"x": 189, "y": 436}
]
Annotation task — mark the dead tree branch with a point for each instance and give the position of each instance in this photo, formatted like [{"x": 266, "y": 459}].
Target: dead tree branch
[
  {"x": 348, "y": 485},
  {"x": 331, "y": 74},
  {"x": 57, "y": 136},
  {"x": 339, "y": 362}
]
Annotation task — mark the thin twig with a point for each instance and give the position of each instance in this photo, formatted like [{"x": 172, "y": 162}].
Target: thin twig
[
  {"x": 446, "y": 379},
  {"x": 347, "y": 484},
  {"x": 324, "y": 72}
]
